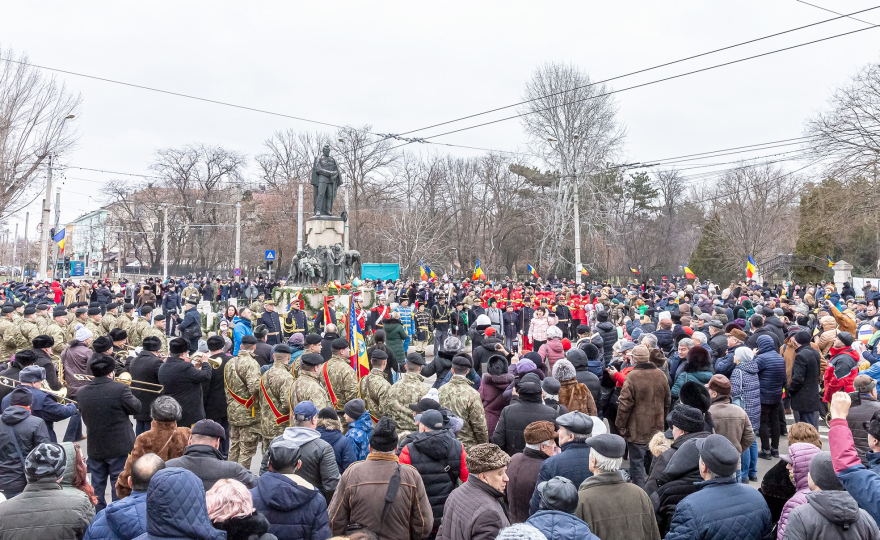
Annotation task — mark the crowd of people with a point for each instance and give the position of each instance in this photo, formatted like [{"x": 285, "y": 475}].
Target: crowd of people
[{"x": 491, "y": 410}]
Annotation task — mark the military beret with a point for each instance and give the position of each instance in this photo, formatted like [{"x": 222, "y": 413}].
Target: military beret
[
  {"x": 281, "y": 348},
  {"x": 312, "y": 359},
  {"x": 112, "y": 305},
  {"x": 18, "y": 304},
  {"x": 30, "y": 310},
  {"x": 42, "y": 307},
  {"x": 159, "y": 317},
  {"x": 379, "y": 354},
  {"x": 146, "y": 310},
  {"x": 248, "y": 340},
  {"x": 313, "y": 339},
  {"x": 415, "y": 358},
  {"x": 95, "y": 304},
  {"x": 127, "y": 307},
  {"x": 462, "y": 361},
  {"x": 339, "y": 344},
  {"x": 59, "y": 312},
  {"x": 8, "y": 309},
  {"x": 92, "y": 311}
]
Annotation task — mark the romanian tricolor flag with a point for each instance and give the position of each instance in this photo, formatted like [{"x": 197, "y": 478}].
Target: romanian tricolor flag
[
  {"x": 751, "y": 267},
  {"x": 423, "y": 274},
  {"x": 687, "y": 273},
  {"x": 584, "y": 271},
  {"x": 327, "y": 318},
  {"x": 357, "y": 345},
  {"x": 830, "y": 260},
  {"x": 59, "y": 239},
  {"x": 633, "y": 270},
  {"x": 430, "y": 272},
  {"x": 478, "y": 272},
  {"x": 532, "y": 271}
]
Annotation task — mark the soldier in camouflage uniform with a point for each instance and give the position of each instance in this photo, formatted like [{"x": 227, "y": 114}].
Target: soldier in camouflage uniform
[
  {"x": 459, "y": 396},
  {"x": 43, "y": 319},
  {"x": 307, "y": 387},
  {"x": 312, "y": 345},
  {"x": 7, "y": 333},
  {"x": 274, "y": 395},
  {"x": 26, "y": 329},
  {"x": 108, "y": 321},
  {"x": 93, "y": 322},
  {"x": 125, "y": 321},
  {"x": 79, "y": 317},
  {"x": 373, "y": 388},
  {"x": 157, "y": 330},
  {"x": 343, "y": 384},
  {"x": 188, "y": 291},
  {"x": 409, "y": 389},
  {"x": 58, "y": 330},
  {"x": 242, "y": 375},
  {"x": 135, "y": 334}
]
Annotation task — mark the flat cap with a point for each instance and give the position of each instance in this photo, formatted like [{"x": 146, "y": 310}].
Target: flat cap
[
  {"x": 551, "y": 385},
  {"x": 719, "y": 454},
  {"x": 208, "y": 428},
  {"x": 576, "y": 422},
  {"x": 609, "y": 445}
]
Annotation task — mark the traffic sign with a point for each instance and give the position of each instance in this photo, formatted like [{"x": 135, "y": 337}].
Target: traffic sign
[
  {"x": 270, "y": 254},
  {"x": 236, "y": 272}
]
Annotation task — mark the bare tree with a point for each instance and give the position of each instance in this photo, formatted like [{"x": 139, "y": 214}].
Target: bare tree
[{"x": 33, "y": 109}]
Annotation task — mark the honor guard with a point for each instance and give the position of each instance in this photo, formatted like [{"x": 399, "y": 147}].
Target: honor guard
[
  {"x": 374, "y": 387},
  {"x": 274, "y": 392},
  {"x": 338, "y": 377},
  {"x": 440, "y": 320},
  {"x": 242, "y": 375},
  {"x": 307, "y": 387}
]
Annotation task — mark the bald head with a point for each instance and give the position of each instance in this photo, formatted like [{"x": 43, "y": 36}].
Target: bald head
[{"x": 143, "y": 469}]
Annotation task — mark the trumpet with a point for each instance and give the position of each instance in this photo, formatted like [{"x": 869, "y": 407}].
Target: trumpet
[
  {"x": 12, "y": 383},
  {"x": 125, "y": 378},
  {"x": 199, "y": 357}
]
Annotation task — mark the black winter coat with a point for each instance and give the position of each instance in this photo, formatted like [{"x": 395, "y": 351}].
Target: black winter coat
[
  {"x": 263, "y": 353},
  {"x": 516, "y": 417},
  {"x": 858, "y": 415},
  {"x": 208, "y": 464},
  {"x": 251, "y": 527},
  {"x": 609, "y": 338},
  {"x": 30, "y": 431},
  {"x": 482, "y": 353},
  {"x": 326, "y": 342},
  {"x": 440, "y": 366},
  {"x": 105, "y": 406},
  {"x": 437, "y": 457},
  {"x": 214, "y": 391},
  {"x": 45, "y": 362},
  {"x": 145, "y": 367},
  {"x": 805, "y": 380},
  {"x": 182, "y": 381},
  {"x": 665, "y": 341}
]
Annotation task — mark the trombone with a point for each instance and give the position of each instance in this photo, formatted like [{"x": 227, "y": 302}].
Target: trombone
[
  {"x": 12, "y": 383},
  {"x": 125, "y": 378}
]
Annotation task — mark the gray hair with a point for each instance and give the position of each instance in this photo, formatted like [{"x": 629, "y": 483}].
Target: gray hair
[
  {"x": 743, "y": 354},
  {"x": 330, "y": 328},
  {"x": 687, "y": 342},
  {"x": 606, "y": 464},
  {"x": 649, "y": 340},
  {"x": 700, "y": 336},
  {"x": 165, "y": 409},
  {"x": 539, "y": 445}
]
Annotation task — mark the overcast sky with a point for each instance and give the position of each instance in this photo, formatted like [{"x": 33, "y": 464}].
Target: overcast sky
[{"x": 399, "y": 66}]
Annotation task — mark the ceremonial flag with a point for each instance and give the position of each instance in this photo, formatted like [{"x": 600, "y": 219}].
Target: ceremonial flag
[
  {"x": 687, "y": 272},
  {"x": 59, "y": 239},
  {"x": 830, "y": 260},
  {"x": 431, "y": 272},
  {"x": 633, "y": 270},
  {"x": 750, "y": 267},
  {"x": 424, "y": 275},
  {"x": 584, "y": 271},
  {"x": 532, "y": 271},
  {"x": 478, "y": 272},
  {"x": 327, "y": 319},
  {"x": 357, "y": 345}
]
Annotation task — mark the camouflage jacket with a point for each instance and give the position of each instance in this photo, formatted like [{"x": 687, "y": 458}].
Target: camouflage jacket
[
  {"x": 275, "y": 388},
  {"x": 96, "y": 329},
  {"x": 188, "y": 291},
  {"x": 307, "y": 387},
  {"x": 242, "y": 376},
  {"x": 409, "y": 389},
  {"x": 8, "y": 331},
  {"x": 108, "y": 322},
  {"x": 42, "y": 323},
  {"x": 135, "y": 335},
  {"x": 156, "y": 332},
  {"x": 27, "y": 330},
  {"x": 343, "y": 381},
  {"x": 256, "y": 308},
  {"x": 459, "y": 396},
  {"x": 374, "y": 391},
  {"x": 125, "y": 321},
  {"x": 59, "y": 334}
]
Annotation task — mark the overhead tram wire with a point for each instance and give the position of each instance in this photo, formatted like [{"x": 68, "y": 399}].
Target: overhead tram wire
[{"x": 835, "y": 12}]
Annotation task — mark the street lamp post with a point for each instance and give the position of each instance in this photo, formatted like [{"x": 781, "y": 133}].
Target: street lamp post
[{"x": 44, "y": 235}]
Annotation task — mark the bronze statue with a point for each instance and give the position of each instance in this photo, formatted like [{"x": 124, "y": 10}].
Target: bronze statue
[{"x": 326, "y": 179}]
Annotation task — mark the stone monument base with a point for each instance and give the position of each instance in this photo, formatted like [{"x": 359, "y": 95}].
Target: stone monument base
[{"x": 324, "y": 231}]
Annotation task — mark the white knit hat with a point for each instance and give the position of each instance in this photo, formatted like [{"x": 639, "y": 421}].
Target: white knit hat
[{"x": 82, "y": 333}]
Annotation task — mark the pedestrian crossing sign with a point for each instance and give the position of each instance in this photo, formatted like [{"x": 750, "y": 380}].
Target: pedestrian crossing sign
[{"x": 270, "y": 254}]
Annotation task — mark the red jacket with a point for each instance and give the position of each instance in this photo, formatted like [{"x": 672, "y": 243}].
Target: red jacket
[{"x": 845, "y": 384}]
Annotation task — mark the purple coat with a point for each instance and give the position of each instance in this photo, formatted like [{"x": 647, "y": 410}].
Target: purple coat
[
  {"x": 801, "y": 454},
  {"x": 494, "y": 399}
]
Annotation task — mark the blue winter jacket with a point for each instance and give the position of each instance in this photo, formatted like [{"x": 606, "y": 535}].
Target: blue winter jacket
[
  {"x": 771, "y": 371},
  {"x": 293, "y": 511},
  {"x": 572, "y": 463},
  {"x": 558, "y": 525},
  {"x": 724, "y": 365},
  {"x": 472, "y": 376},
  {"x": 242, "y": 328},
  {"x": 723, "y": 509},
  {"x": 121, "y": 520},
  {"x": 359, "y": 433},
  {"x": 343, "y": 447},
  {"x": 177, "y": 508}
]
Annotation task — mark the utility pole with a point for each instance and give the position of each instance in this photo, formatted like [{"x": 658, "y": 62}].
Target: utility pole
[
  {"x": 238, "y": 236},
  {"x": 44, "y": 238},
  {"x": 165, "y": 242},
  {"x": 57, "y": 221},
  {"x": 577, "y": 231},
  {"x": 347, "y": 219},
  {"x": 27, "y": 247},
  {"x": 299, "y": 220},
  {"x": 14, "y": 250}
]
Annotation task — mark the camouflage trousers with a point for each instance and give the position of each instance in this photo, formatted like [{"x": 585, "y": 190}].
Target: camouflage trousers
[{"x": 243, "y": 442}]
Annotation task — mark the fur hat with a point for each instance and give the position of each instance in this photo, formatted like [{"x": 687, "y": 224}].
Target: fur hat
[
  {"x": 554, "y": 332},
  {"x": 698, "y": 356},
  {"x": 696, "y": 395},
  {"x": 641, "y": 354},
  {"x": 152, "y": 343},
  {"x": 591, "y": 351},
  {"x": 452, "y": 343},
  {"x": 497, "y": 365},
  {"x": 521, "y": 531},
  {"x": 102, "y": 365},
  {"x": 540, "y": 431},
  {"x": 384, "y": 436},
  {"x": 485, "y": 457},
  {"x": 178, "y": 346},
  {"x": 563, "y": 370},
  {"x": 719, "y": 383},
  {"x": 102, "y": 344},
  {"x": 686, "y": 418}
]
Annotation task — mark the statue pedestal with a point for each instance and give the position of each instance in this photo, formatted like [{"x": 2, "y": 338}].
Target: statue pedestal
[
  {"x": 324, "y": 231},
  {"x": 842, "y": 274}
]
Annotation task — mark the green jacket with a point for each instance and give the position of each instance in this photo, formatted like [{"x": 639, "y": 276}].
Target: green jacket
[
  {"x": 374, "y": 391},
  {"x": 343, "y": 381},
  {"x": 307, "y": 387},
  {"x": 459, "y": 396},
  {"x": 275, "y": 386},
  {"x": 242, "y": 378},
  {"x": 409, "y": 389}
]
